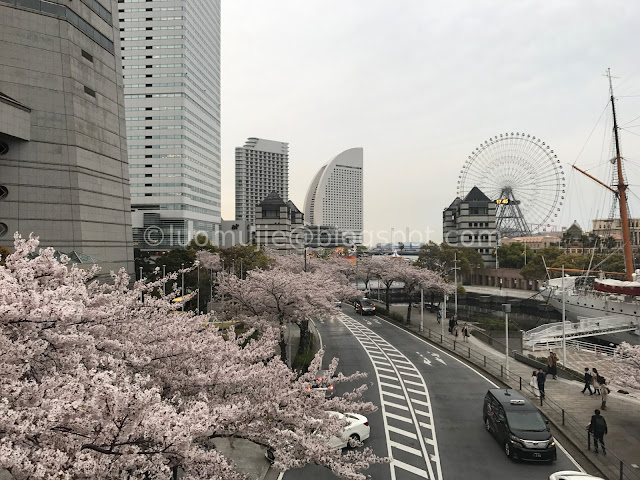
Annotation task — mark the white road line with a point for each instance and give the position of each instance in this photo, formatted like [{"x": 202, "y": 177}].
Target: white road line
[
  {"x": 573, "y": 460},
  {"x": 420, "y": 402},
  {"x": 395, "y": 405},
  {"x": 422, "y": 412},
  {"x": 407, "y": 449},
  {"x": 407, "y": 374},
  {"x": 388, "y": 377},
  {"x": 412, "y": 383},
  {"x": 384, "y": 384},
  {"x": 398, "y": 417},
  {"x": 394, "y": 395},
  {"x": 386, "y": 369},
  {"x": 410, "y": 468},
  {"x": 399, "y": 431},
  {"x": 419, "y": 392}
]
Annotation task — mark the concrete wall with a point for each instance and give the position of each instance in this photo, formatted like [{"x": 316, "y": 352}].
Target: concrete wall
[{"x": 70, "y": 183}]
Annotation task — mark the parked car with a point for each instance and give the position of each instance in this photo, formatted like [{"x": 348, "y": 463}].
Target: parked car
[
  {"x": 518, "y": 426},
  {"x": 355, "y": 431},
  {"x": 322, "y": 383},
  {"x": 571, "y": 475},
  {"x": 364, "y": 306},
  {"x": 337, "y": 303}
]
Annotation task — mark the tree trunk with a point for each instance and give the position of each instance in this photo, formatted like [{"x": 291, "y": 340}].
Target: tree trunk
[
  {"x": 304, "y": 337},
  {"x": 409, "y": 309},
  {"x": 283, "y": 349},
  {"x": 387, "y": 299}
]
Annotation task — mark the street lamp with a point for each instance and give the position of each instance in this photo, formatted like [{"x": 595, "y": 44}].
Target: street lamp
[
  {"x": 182, "y": 298},
  {"x": 422, "y": 307},
  {"x": 506, "y": 308}
]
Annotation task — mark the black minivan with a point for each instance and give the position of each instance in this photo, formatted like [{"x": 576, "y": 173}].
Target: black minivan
[{"x": 518, "y": 426}]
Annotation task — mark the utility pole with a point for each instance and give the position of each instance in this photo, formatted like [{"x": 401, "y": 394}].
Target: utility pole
[
  {"x": 182, "y": 297},
  {"x": 421, "y": 307},
  {"x": 455, "y": 281},
  {"x": 164, "y": 284},
  {"x": 506, "y": 307},
  {"x": 198, "y": 294},
  {"x": 564, "y": 319},
  {"x": 141, "y": 282}
]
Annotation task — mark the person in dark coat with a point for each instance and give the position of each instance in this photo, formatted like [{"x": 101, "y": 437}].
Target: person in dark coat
[
  {"x": 598, "y": 428},
  {"x": 587, "y": 381},
  {"x": 541, "y": 379}
]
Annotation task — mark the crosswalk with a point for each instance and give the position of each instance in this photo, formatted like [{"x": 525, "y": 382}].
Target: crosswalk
[{"x": 405, "y": 406}]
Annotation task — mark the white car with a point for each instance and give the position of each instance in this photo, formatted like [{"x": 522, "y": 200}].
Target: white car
[
  {"x": 357, "y": 429},
  {"x": 571, "y": 475}
]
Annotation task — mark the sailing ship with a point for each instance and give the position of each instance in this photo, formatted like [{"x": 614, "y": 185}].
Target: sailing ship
[{"x": 615, "y": 302}]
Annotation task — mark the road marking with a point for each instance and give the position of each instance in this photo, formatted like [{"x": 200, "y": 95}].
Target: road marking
[
  {"x": 420, "y": 402},
  {"x": 385, "y": 369},
  {"x": 410, "y": 468},
  {"x": 407, "y": 449},
  {"x": 394, "y": 395},
  {"x": 398, "y": 360},
  {"x": 399, "y": 431},
  {"x": 395, "y": 405},
  {"x": 398, "y": 417},
  {"x": 419, "y": 392},
  {"x": 385, "y": 384},
  {"x": 435, "y": 355}
]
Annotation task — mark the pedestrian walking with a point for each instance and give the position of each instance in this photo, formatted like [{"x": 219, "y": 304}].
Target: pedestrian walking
[
  {"x": 465, "y": 333},
  {"x": 438, "y": 316},
  {"x": 552, "y": 364},
  {"x": 452, "y": 322},
  {"x": 595, "y": 380},
  {"x": 587, "y": 381},
  {"x": 541, "y": 377},
  {"x": 533, "y": 383},
  {"x": 455, "y": 332},
  {"x": 598, "y": 428},
  {"x": 604, "y": 391}
]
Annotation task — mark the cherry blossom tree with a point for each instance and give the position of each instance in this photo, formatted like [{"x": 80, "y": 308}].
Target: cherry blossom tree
[
  {"x": 109, "y": 381},
  {"x": 387, "y": 268},
  {"x": 627, "y": 365},
  {"x": 278, "y": 297},
  {"x": 366, "y": 270},
  {"x": 413, "y": 278}
]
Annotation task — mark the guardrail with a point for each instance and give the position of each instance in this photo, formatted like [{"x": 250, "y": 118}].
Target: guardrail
[
  {"x": 578, "y": 346},
  {"x": 610, "y": 465}
]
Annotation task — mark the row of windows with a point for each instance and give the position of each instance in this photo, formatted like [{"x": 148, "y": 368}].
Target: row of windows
[
  {"x": 166, "y": 65},
  {"x": 154, "y": 9},
  {"x": 189, "y": 208},
  {"x": 149, "y": 19},
  {"x": 216, "y": 188},
  {"x": 147, "y": 29},
  {"x": 174, "y": 165},
  {"x": 152, "y": 47},
  {"x": 166, "y": 55},
  {"x": 178, "y": 194},
  {"x": 161, "y": 37},
  {"x": 154, "y": 75},
  {"x": 188, "y": 185}
]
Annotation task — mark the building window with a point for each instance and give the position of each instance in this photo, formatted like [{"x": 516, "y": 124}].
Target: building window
[{"x": 88, "y": 91}]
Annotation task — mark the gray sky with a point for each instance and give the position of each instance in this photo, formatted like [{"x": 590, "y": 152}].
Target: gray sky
[{"x": 419, "y": 84}]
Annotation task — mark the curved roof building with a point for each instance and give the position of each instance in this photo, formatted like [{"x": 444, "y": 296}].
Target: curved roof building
[{"x": 334, "y": 197}]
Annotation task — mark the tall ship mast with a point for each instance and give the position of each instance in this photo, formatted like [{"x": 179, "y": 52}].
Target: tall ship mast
[{"x": 615, "y": 303}]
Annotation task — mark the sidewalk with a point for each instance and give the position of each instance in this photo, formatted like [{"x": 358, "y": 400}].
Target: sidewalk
[{"x": 564, "y": 401}]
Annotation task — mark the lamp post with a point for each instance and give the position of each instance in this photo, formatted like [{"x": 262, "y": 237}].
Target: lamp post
[
  {"x": 506, "y": 307},
  {"x": 564, "y": 319},
  {"x": 141, "y": 282},
  {"x": 164, "y": 284},
  {"x": 455, "y": 281},
  {"x": 421, "y": 307},
  {"x": 198, "y": 294},
  {"x": 444, "y": 315},
  {"x": 182, "y": 297}
]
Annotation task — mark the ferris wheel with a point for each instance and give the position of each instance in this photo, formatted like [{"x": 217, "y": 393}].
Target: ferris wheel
[{"x": 522, "y": 175}]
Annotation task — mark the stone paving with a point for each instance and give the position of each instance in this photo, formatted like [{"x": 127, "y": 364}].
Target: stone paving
[{"x": 563, "y": 395}]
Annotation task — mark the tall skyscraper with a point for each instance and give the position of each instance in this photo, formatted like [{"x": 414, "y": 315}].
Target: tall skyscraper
[
  {"x": 63, "y": 160},
  {"x": 171, "y": 66},
  {"x": 334, "y": 197},
  {"x": 262, "y": 167}
]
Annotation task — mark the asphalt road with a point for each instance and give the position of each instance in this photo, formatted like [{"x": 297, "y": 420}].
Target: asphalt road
[{"x": 429, "y": 417}]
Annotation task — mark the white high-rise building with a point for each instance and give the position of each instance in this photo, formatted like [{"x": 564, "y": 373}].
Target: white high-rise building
[
  {"x": 262, "y": 167},
  {"x": 171, "y": 66},
  {"x": 334, "y": 197}
]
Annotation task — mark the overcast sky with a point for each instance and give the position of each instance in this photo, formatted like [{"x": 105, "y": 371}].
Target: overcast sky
[{"x": 419, "y": 84}]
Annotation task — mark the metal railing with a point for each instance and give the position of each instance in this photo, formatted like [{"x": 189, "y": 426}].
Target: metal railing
[
  {"x": 583, "y": 328},
  {"x": 611, "y": 465},
  {"x": 577, "y": 345}
]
